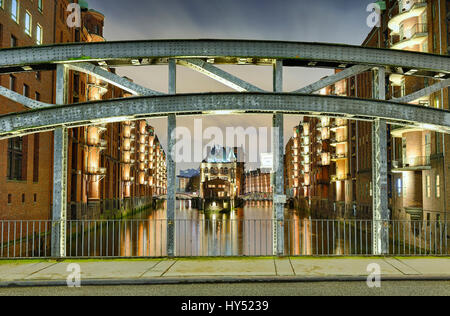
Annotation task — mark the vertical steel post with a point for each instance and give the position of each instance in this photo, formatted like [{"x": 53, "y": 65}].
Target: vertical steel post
[
  {"x": 278, "y": 167},
  {"x": 59, "y": 211},
  {"x": 171, "y": 166},
  {"x": 380, "y": 232}
]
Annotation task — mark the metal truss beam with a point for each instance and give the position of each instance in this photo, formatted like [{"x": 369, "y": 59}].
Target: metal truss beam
[
  {"x": 16, "y": 97},
  {"x": 59, "y": 207},
  {"x": 60, "y": 150},
  {"x": 231, "y": 50},
  {"x": 278, "y": 166},
  {"x": 328, "y": 81},
  {"x": 111, "y": 78},
  {"x": 424, "y": 92},
  {"x": 380, "y": 234},
  {"x": 171, "y": 164},
  {"x": 171, "y": 185},
  {"x": 137, "y": 108},
  {"x": 219, "y": 75},
  {"x": 380, "y": 191}
]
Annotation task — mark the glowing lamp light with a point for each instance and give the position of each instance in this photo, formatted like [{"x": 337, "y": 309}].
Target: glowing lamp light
[
  {"x": 111, "y": 120},
  {"x": 222, "y": 112}
]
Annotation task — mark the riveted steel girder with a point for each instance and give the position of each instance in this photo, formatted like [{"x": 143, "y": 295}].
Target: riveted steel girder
[
  {"x": 424, "y": 92},
  {"x": 136, "y": 108},
  {"x": 278, "y": 166},
  {"x": 171, "y": 165},
  {"x": 349, "y": 72},
  {"x": 171, "y": 185},
  {"x": 60, "y": 144},
  {"x": 380, "y": 234},
  {"x": 219, "y": 75},
  {"x": 59, "y": 207},
  {"x": 111, "y": 78},
  {"x": 163, "y": 49},
  {"x": 16, "y": 97}
]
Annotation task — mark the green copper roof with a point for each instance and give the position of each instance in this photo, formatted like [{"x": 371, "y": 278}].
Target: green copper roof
[{"x": 83, "y": 4}]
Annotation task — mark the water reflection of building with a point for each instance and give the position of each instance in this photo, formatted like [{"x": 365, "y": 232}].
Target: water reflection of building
[
  {"x": 221, "y": 173},
  {"x": 257, "y": 185}
]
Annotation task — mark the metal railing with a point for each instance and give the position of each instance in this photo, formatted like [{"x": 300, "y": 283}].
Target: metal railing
[
  {"x": 221, "y": 238},
  {"x": 411, "y": 162},
  {"x": 406, "y": 5},
  {"x": 419, "y": 28}
]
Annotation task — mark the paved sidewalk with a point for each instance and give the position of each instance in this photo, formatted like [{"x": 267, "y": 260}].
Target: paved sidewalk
[{"x": 17, "y": 273}]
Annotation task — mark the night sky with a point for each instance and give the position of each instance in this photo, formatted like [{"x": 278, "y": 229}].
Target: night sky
[{"x": 333, "y": 21}]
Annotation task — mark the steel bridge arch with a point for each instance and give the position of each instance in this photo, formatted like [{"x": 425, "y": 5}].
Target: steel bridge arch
[
  {"x": 201, "y": 55},
  {"x": 151, "y": 52},
  {"x": 73, "y": 115}
]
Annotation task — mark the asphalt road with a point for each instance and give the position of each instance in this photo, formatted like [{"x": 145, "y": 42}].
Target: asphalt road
[{"x": 403, "y": 288}]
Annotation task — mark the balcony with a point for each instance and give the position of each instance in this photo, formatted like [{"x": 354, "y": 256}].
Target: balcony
[
  {"x": 98, "y": 143},
  {"x": 102, "y": 128},
  {"x": 407, "y": 9},
  {"x": 398, "y": 132},
  {"x": 131, "y": 137},
  {"x": 338, "y": 124},
  {"x": 305, "y": 139},
  {"x": 102, "y": 87},
  {"x": 96, "y": 171},
  {"x": 336, "y": 157},
  {"x": 416, "y": 213},
  {"x": 126, "y": 162},
  {"x": 412, "y": 164},
  {"x": 337, "y": 178},
  {"x": 338, "y": 141},
  {"x": 411, "y": 37}
]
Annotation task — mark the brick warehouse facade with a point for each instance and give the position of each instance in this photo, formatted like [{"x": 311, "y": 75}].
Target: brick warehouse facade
[
  {"x": 337, "y": 164},
  {"x": 117, "y": 166}
]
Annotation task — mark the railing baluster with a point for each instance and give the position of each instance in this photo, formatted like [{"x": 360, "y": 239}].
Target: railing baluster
[
  {"x": 2, "y": 244},
  {"x": 21, "y": 234},
  {"x": 289, "y": 251},
  {"x": 89, "y": 239},
  {"x": 14, "y": 239},
  {"x": 82, "y": 239},
  {"x": 425, "y": 235},
  {"x": 305, "y": 237},
  {"x": 114, "y": 239},
  {"x": 317, "y": 241},
  {"x": 39, "y": 242}
]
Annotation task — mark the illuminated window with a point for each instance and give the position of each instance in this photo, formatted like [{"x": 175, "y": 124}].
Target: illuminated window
[
  {"x": 399, "y": 187},
  {"x": 438, "y": 186},
  {"x": 428, "y": 184},
  {"x": 39, "y": 35},
  {"x": 15, "y": 10},
  {"x": 15, "y": 156},
  {"x": 28, "y": 23},
  {"x": 437, "y": 102}
]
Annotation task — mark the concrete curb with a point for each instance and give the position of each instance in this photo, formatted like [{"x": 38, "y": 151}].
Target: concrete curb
[{"x": 216, "y": 280}]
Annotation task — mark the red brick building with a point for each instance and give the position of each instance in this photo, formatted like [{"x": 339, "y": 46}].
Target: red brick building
[
  {"x": 111, "y": 168},
  {"x": 258, "y": 183},
  {"x": 337, "y": 154}
]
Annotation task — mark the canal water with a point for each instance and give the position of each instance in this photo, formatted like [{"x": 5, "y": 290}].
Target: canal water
[{"x": 247, "y": 231}]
